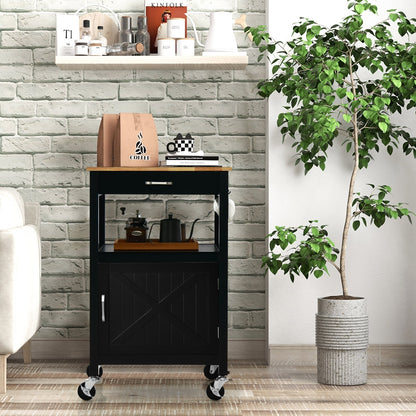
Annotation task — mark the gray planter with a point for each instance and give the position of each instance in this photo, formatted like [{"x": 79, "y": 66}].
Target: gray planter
[{"x": 342, "y": 341}]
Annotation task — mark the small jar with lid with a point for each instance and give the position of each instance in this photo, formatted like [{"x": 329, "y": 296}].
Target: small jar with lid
[
  {"x": 81, "y": 48},
  {"x": 95, "y": 48}
]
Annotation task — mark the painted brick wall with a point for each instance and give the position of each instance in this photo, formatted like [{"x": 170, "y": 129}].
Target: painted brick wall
[{"x": 49, "y": 119}]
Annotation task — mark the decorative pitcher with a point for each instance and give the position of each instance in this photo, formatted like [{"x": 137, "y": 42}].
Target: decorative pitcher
[{"x": 221, "y": 37}]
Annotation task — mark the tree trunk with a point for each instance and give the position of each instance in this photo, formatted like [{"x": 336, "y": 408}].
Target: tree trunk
[{"x": 348, "y": 214}]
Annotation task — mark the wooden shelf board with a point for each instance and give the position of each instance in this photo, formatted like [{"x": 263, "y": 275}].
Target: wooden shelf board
[
  {"x": 152, "y": 62},
  {"x": 158, "y": 168}
]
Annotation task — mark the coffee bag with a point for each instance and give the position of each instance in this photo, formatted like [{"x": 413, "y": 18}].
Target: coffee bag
[
  {"x": 135, "y": 141},
  {"x": 105, "y": 144}
]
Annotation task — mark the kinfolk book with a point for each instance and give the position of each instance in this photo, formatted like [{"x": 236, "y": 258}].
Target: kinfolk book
[{"x": 157, "y": 13}]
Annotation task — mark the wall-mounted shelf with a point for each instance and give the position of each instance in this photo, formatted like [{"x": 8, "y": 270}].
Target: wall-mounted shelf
[{"x": 152, "y": 62}]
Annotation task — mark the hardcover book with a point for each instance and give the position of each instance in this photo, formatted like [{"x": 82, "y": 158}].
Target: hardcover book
[
  {"x": 190, "y": 160},
  {"x": 192, "y": 157},
  {"x": 158, "y": 12}
]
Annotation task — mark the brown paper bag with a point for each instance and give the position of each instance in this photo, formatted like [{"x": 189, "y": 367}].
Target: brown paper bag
[
  {"x": 135, "y": 141},
  {"x": 105, "y": 139}
]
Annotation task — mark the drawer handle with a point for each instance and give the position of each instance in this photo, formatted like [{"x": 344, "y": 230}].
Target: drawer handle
[
  {"x": 158, "y": 183},
  {"x": 103, "y": 308}
]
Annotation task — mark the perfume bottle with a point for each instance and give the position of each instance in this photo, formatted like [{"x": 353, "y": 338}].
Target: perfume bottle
[{"x": 142, "y": 35}]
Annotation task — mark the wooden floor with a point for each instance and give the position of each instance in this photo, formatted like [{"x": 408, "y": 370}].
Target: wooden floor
[{"x": 46, "y": 388}]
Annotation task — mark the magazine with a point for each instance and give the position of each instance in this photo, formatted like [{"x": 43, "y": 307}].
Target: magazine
[{"x": 157, "y": 13}]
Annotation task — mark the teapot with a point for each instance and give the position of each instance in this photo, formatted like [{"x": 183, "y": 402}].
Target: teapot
[
  {"x": 172, "y": 231},
  {"x": 221, "y": 38}
]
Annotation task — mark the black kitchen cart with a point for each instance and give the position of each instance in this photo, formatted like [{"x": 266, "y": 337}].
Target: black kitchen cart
[{"x": 158, "y": 307}]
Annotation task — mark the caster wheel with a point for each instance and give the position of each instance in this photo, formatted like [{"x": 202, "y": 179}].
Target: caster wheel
[
  {"x": 212, "y": 395},
  {"x": 100, "y": 371},
  {"x": 208, "y": 374},
  {"x": 83, "y": 392}
]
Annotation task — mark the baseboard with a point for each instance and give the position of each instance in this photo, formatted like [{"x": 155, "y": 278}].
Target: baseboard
[
  {"x": 43, "y": 349},
  {"x": 253, "y": 350},
  {"x": 378, "y": 355}
]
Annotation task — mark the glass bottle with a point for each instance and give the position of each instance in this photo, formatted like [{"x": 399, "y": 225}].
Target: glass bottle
[
  {"x": 124, "y": 48},
  {"x": 85, "y": 31},
  {"x": 102, "y": 39},
  {"x": 126, "y": 35},
  {"x": 142, "y": 35}
]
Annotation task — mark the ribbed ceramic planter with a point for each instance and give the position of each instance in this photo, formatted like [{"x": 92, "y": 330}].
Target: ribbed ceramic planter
[{"x": 342, "y": 341}]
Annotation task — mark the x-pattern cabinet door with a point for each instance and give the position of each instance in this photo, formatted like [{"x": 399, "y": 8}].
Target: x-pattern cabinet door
[{"x": 161, "y": 309}]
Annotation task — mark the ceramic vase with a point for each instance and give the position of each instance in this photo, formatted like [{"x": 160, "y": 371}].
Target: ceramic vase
[{"x": 342, "y": 341}]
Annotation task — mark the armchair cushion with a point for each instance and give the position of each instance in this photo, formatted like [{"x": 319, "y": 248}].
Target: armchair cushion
[
  {"x": 12, "y": 209},
  {"x": 20, "y": 262}
]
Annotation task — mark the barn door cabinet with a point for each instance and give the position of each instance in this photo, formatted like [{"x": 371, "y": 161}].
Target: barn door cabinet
[{"x": 158, "y": 307}]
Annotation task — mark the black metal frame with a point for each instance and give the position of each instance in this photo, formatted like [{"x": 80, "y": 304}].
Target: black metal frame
[{"x": 167, "y": 182}]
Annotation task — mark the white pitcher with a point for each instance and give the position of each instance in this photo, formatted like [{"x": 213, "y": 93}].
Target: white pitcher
[{"x": 221, "y": 39}]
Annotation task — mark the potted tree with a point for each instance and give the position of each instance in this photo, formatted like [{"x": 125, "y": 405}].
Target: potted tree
[{"x": 341, "y": 85}]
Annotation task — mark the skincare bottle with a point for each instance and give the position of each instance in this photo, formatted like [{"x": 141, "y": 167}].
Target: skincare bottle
[{"x": 102, "y": 39}]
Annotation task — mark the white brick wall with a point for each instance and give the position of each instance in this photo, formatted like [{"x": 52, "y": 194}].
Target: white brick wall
[{"x": 49, "y": 120}]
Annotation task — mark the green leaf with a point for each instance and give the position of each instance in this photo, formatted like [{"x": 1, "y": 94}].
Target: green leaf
[
  {"x": 346, "y": 117},
  {"x": 327, "y": 89},
  {"x": 350, "y": 95},
  {"x": 368, "y": 42},
  {"x": 348, "y": 147},
  {"x": 356, "y": 225},
  {"x": 315, "y": 247},
  {"x": 318, "y": 273},
  {"x": 406, "y": 65},
  {"x": 396, "y": 82},
  {"x": 320, "y": 50},
  {"x": 341, "y": 92},
  {"x": 383, "y": 126},
  {"x": 393, "y": 16},
  {"x": 315, "y": 231},
  {"x": 316, "y": 29},
  {"x": 359, "y": 8},
  {"x": 291, "y": 238}
]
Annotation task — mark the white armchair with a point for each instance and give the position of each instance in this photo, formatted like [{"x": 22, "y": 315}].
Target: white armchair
[{"x": 20, "y": 290}]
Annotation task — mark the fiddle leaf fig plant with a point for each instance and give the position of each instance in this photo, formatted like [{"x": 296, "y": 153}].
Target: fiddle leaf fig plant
[{"x": 342, "y": 85}]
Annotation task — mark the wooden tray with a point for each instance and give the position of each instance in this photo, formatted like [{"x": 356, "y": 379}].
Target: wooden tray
[{"x": 155, "y": 245}]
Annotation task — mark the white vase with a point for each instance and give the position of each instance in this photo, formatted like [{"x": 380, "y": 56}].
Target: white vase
[{"x": 342, "y": 341}]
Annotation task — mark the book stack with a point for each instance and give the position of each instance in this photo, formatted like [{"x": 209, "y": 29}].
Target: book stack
[{"x": 190, "y": 160}]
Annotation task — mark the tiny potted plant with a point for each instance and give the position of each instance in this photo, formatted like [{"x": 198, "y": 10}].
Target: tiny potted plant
[{"x": 341, "y": 85}]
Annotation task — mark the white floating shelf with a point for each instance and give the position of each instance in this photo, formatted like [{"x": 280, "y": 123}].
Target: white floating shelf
[{"x": 152, "y": 62}]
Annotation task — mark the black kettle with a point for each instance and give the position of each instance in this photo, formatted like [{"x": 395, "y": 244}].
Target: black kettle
[{"x": 172, "y": 231}]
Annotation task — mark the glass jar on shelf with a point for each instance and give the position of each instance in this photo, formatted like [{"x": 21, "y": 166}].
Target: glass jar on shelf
[{"x": 142, "y": 35}]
